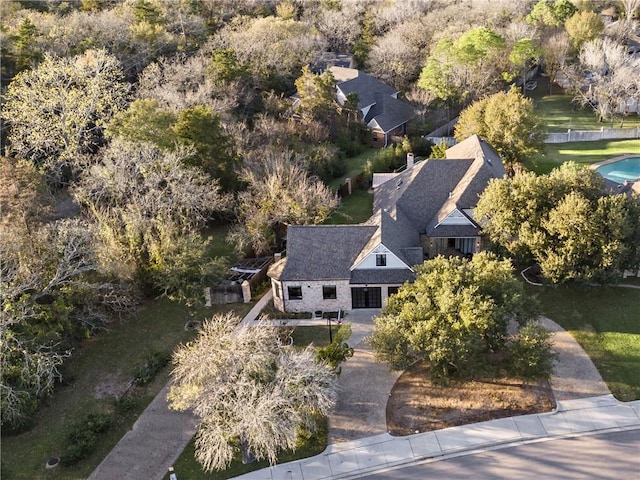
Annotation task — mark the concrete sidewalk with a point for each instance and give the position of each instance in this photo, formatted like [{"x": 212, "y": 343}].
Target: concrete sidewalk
[{"x": 359, "y": 458}]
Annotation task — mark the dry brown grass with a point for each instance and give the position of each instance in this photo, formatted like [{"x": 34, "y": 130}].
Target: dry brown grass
[{"x": 416, "y": 405}]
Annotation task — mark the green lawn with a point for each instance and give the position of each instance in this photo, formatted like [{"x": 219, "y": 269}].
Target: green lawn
[
  {"x": 105, "y": 361},
  {"x": 356, "y": 208},
  {"x": 558, "y": 115},
  {"x": 606, "y": 322},
  {"x": 186, "y": 467},
  {"x": 355, "y": 165},
  {"x": 580, "y": 152}
]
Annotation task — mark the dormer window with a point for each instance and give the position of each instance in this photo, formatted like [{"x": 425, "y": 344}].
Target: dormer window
[{"x": 381, "y": 260}]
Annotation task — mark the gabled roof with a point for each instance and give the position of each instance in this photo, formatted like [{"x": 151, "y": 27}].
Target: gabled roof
[
  {"x": 411, "y": 203},
  {"x": 323, "y": 252},
  {"x": 486, "y": 165},
  {"x": 389, "y": 113},
  {"x": 386, "y": 112},
  {"x": 397, "y": 234},
  {"x": 419, "y": 192},
  {"x": 350, "y": 80},
  {"x": 432, "y": 189}
]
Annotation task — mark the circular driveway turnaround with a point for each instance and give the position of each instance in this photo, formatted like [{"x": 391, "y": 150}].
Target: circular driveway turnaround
[{"x": 365, "y": 384}]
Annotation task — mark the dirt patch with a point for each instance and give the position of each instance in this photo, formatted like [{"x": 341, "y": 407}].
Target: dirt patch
[
  {"x": 110, "y": 386},
  {"x": 416, "y": 405}
]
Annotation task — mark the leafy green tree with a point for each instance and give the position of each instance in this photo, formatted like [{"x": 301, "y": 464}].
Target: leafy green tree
[
  {"x": 200, "y": 128},
  {"x": 551, "y": 13},
  {"x": 363, "y": 45},
  {"x": 523, "y": 54},
  {"x": 197, "y": 128},
  {"x": 582, "y": 27},
  {"x": 26, "y": 54},
  {"x": 564, "y": 222},
  {"x": 317, "y": 95},
  {"x": 144, "y": 121},
  {"x": 57, "y": 111},
  {"x": 338, "y": 351},
  {"x": 454, "y": 315},
  {"x": 466, "y": 68},
  {"x": 507, "y": 121},
  {"x": 224, "y": 67},
  {"x": 437, "y": 75},
  {"x": 252, "y": 394}
]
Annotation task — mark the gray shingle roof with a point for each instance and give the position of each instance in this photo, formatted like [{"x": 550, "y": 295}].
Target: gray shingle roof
[
  {"x": 366, "y": 86},
  {"x": 420, "y": 192},
  {"x": 323, "y": 252},
  {"x": 389, "y": 113},
  {"x": 451, "y": 231},
  {"x": 381, "y": 276}
]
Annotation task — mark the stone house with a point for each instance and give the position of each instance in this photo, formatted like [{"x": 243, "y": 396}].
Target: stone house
[{"x": 424, "y": 211}]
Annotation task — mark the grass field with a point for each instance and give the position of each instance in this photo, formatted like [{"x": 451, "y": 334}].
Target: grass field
[
  {"x": 606, "y": 322},
  {"x": 558, "y": 115},
  {"x": 585, "y": 153},
  {"x": 103, "y": 366},
  {"x": 356, "y": 208},
  {"x": 355, "y": 165}
]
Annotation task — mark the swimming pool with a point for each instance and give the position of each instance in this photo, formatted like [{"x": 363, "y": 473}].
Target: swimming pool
[{"x": 620, "y": 171}]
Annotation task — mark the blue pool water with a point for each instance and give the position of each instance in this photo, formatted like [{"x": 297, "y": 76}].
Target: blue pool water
[{"x": 622, "y": 170}]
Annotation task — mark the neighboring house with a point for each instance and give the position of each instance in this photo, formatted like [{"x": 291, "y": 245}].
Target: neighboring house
[
  {"x": 422, "y": 212},
  {"x": 381, "y": 110}
]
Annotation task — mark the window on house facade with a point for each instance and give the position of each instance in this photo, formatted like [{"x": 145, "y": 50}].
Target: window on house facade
[
  {"x": 329, "y": 292},
  {"x": 392, "y": 290},
  {"x": 381, "y": 260},
  {"x": 295, "y": 293}
]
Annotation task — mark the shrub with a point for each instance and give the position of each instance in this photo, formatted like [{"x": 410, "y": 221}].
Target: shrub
[
  {"x": 155, "y": 362},
  {"x": 83, "y": 437},
  {"x": 530, "y": 352}
]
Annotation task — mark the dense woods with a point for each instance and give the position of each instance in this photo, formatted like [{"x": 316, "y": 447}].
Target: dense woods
[{"x": 130, "y": 125}]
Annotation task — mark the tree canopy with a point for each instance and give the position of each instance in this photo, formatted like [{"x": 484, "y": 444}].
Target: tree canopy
[
  {"x": 507, "y": 121},
  {"x": 251, "y": 393},
  {"x": 57, "y": 111},
  {"x": 565, "y": 222},
  {"x": 281, "y": 192},
  {"x": 148, "y": 207},
  {"x": 454, "y": 315},
  {"x": 465, "y": 68}
]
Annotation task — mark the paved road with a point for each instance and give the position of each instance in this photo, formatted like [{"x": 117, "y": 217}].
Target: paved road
[{"x": 604, "y": 456}]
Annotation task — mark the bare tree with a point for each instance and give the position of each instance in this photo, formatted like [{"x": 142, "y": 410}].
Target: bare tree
[
  {"x": 57, "y": 111},
  {"x": 246, "y": 387},
  {"x": 144, "y": 200},
  {"x": 279, "y": 192},
  {"x": 630, "y": 7},
  {"x": 52, "y": 287},
  {"x": 611, "y": 82},
  {"x": 555, "y": 50}
]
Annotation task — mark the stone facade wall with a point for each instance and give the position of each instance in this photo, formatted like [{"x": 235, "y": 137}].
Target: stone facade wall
[{"x": 312, "y": 298}]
